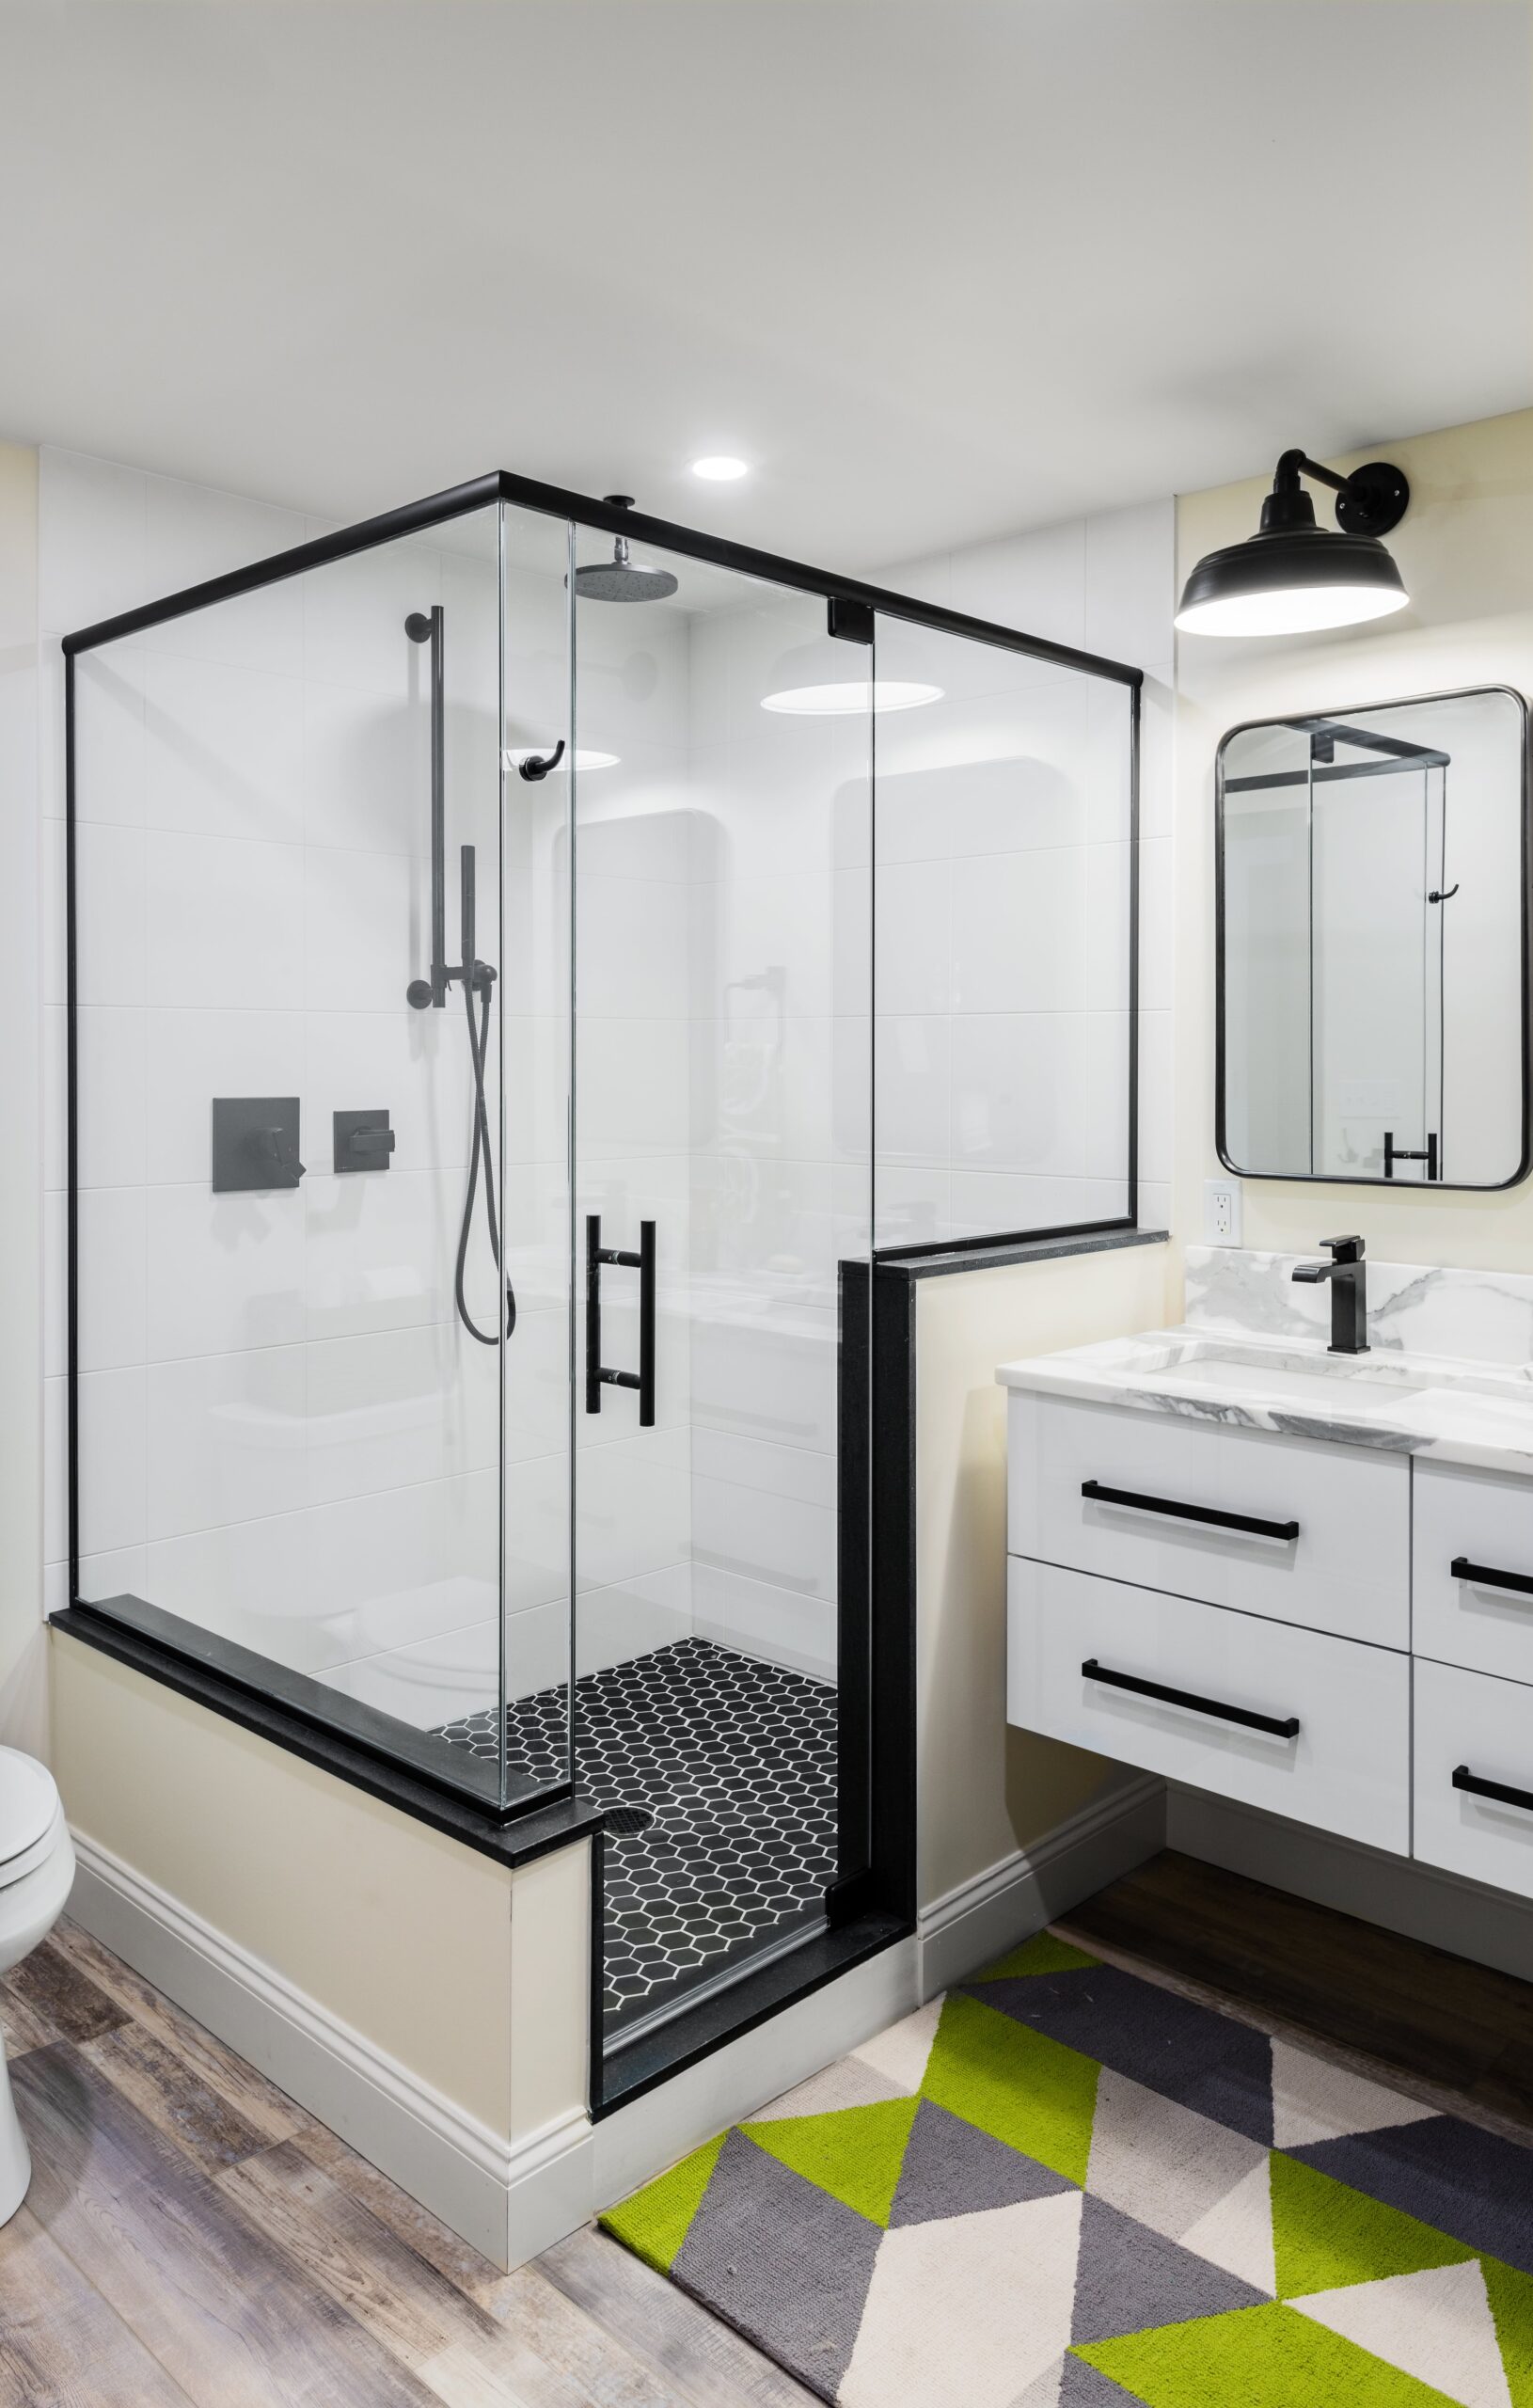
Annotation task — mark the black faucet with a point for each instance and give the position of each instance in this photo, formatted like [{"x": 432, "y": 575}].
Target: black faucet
[{"x": 1348, "y": 1277}]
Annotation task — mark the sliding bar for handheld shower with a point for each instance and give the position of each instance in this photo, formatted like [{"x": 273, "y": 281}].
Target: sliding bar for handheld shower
[{"x": 431, "y": 993}]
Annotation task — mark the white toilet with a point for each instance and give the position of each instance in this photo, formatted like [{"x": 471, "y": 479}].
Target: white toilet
[{"x": 37, "y": 1868}]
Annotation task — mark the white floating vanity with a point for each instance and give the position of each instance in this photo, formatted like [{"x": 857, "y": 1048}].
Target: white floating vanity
[{"x": 1297, "y": 1578}]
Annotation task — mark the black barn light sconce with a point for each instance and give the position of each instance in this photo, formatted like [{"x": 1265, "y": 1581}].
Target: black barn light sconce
[{"x": 1293, "y": 577}]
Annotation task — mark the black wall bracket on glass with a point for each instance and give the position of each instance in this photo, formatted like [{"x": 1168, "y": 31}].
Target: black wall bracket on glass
[
  {"x": 1427, "y": 1153},
  {"x": 1503, "y": 1795},
  {"x": 598, "y": 1374},
  {"x": 1282, "y": 1726},
  {"x": 255, "y": 1142},
  {"x": 1213, "y": 1514},
  {"x": 1521, "y": 1583},
  {"x": 362, "y": 1140}
]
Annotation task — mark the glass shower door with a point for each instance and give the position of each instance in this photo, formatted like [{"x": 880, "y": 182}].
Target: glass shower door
[{"x": 722, "y": 1203}]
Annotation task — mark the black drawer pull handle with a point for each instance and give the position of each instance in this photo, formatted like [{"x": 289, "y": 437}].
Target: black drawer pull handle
[
  {"x": 1214, "y": 1513},
  {"x": 1284, "y": 1726},
  {"x": 1483, "y": 1577},
  {"x": 1465, "y": 1779}
]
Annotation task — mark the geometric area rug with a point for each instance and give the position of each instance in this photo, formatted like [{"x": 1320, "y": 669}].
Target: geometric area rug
[{"x": 1063, "y": 2187}]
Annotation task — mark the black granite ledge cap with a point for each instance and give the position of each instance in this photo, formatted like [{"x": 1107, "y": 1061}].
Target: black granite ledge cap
[
  {"x": 1008, "y": 1253},
  {"x": 537, "y": 1831}
]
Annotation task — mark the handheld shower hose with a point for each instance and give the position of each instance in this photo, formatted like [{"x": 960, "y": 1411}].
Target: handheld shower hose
[{"x": 475, "y": 977}]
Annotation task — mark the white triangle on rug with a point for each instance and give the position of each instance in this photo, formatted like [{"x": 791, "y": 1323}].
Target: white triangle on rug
[
  {"x": 968, "y": 2311},
  {"x": 900, "y": 2053},
  {"x": 1044, "y": 2391},
  {"x": 1314, "y": 2100},
  {"x": 1162, "y": 2164},
  {"x": 1437, "y": 2326},
  {"x": 1237, "y": 2231},
  {"x": 846, "y": 2084}
]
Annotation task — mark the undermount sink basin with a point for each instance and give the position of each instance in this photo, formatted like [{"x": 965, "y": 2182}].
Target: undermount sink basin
[{"x": 1275, "y": 1372}]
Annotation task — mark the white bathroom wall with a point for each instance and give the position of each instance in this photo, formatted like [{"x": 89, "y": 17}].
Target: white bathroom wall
[{"x": 22, "y": 1657}]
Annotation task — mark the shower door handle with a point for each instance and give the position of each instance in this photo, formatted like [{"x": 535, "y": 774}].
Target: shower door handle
[{"x": 598, "y": 1374}]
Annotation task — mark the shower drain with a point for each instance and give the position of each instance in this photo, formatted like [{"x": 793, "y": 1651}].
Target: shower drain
[{"x": 622, "y": 1821}]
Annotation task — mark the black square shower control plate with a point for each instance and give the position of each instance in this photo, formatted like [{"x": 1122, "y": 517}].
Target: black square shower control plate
[
  {"x": 363, "y": 1140},
  {"x": 255, "y": 1142}
]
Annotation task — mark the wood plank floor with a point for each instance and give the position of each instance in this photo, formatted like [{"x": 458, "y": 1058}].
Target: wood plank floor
[
  {"x": 1458, "y": 2036},
  {"x": 195, "y": 2240},
  {"x": 192, "y": 2238}
]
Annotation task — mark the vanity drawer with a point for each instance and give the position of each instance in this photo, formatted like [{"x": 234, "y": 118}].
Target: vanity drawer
[
  {"x": 1345, "y": 1768},
  {"x": 1348, "y": 1568},
  {"x": 1468, "y": 1720},
  {"x": 1483, "y": 1521}
]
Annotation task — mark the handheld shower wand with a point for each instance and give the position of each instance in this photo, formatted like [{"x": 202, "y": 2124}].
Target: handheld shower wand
[{"x": 475, "y": 977}]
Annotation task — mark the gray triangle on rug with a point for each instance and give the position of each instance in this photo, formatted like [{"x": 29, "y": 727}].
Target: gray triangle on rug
[
  {"x": 1129, "y": 2278},
  {"x": 952, "y": 2168}
]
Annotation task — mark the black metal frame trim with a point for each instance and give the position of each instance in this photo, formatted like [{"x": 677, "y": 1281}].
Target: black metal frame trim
[
  {"x": 1327, "y": 1179},
  {"x": 559, "y": 1822}
]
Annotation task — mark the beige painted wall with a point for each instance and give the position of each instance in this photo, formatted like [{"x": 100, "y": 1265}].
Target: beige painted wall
[
  {"x": 471, "y": 1975},
  {"x": 1466, "y": 551},
  {"x": 23, "y": 1649},
  {"x": 987, "y": 1790}
]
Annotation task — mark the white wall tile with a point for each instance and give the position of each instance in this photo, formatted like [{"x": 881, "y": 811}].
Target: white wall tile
[
  {"x": 365, "y": 925},
  {"x": 111, "y": 1492},
  {"x": 228, "y": 1439},
  {"x": 748, "y": 1531},
  {"x": 366, "y": 770},
  {"x": 1130, "y": 595},
  {"x": 194, "y": 533},
  {"x": 913, "y": 1088},
  {"x": 193, "y": 1054},
  {"x": 109, "y": 914},
  {"x": 1019, "y": 931},
  {"x": 109, "y": 735},
  {"x": 92, "y": 548},
  {"x": 379, "y": 1250},
  {"x": 225, "y": 1272},
  {"x": 778, "y": 1624},
  {"x": 223, "y": 750},
  {"x": 110, "y": 1045},
  {"x": 225, "y": 920},
  {"x": 1045, "y": 1092}
]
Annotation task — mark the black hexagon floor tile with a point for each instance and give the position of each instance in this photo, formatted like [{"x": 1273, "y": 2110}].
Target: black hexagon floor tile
[{"x": 735, "y": 1759}]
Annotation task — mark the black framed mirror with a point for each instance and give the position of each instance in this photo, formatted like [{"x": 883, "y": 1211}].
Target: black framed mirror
[{"x": 1372, "y": 913}]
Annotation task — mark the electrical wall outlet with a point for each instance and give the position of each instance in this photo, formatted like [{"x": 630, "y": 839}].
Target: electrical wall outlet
[{"x": 1221, "y": 1211}]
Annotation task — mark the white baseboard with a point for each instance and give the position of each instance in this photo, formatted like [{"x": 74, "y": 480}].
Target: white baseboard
[
  {"x": 509, "y": 2198},
  {"x": 636, "y": 2142},
  {"x": 1490, "y": 1926},
  {"x": 983, "y": 1918}
]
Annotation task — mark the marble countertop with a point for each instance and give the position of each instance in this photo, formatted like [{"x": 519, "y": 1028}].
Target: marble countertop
[{"x": 1250, "y": 1356}]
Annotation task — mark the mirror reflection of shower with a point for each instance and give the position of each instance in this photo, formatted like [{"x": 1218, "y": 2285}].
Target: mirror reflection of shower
[{"x": 475, "y": 977}]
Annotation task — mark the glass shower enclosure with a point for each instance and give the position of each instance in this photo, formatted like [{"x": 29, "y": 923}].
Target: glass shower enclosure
[{"x": 480, "y": 1028}]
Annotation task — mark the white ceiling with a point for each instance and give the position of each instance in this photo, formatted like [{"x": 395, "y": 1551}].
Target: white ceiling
[{"x": 938, "y": 270}]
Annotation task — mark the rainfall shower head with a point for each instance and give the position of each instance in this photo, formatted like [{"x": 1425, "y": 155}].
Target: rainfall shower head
[{"x": 617, "y": 579}]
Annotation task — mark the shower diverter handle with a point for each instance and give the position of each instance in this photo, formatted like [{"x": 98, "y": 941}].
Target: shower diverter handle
[{"x": 598, "y": 1374}]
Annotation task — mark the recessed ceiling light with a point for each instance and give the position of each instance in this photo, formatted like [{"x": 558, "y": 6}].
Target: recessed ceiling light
[
  {"x": 852, "y": 694},
  {"x": 719, "y": 468}
]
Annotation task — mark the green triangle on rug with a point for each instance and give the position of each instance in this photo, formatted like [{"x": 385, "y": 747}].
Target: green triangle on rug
[
  {"x": 657, "y": 2219},
  {"x": 1510, "y": 2294},
  {"x": 1257, "y": 2357},
  {"x": 856, "y": 2153},
  {"x": 1016, "y": 2084},
  {"x": 1325, "y": 2234},
  {"x": 1042, "y": 1953}
]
